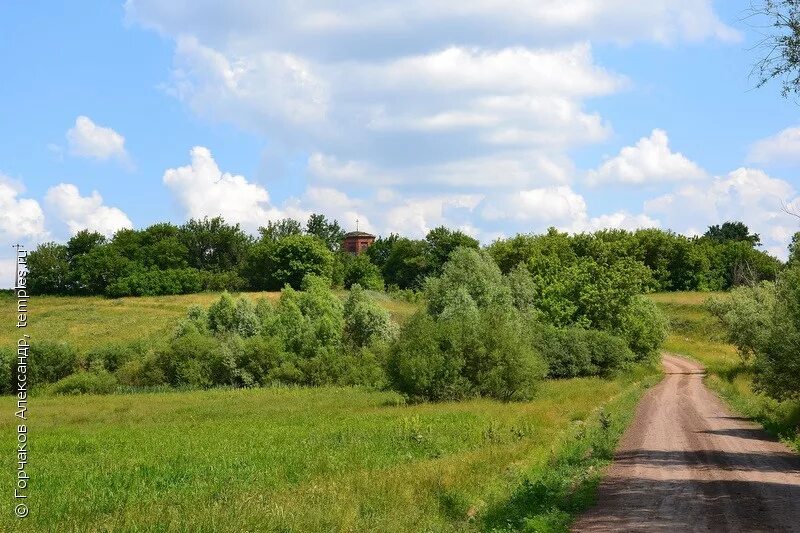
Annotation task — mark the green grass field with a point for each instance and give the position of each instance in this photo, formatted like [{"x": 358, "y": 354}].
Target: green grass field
[
  {"x": 90, "y": 321},
  {"x": 301, "y": 459},
  {"x": 282, "y": 459},
  {"x": 697, "y": 334}
]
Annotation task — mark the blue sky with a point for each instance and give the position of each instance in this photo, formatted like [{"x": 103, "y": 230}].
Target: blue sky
[{"x": 494, "y": 117}]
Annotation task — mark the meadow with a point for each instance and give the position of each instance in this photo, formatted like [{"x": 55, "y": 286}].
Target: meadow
[
  {"x": 695, "y": 333},
  {"x": 303, "y": 459}
]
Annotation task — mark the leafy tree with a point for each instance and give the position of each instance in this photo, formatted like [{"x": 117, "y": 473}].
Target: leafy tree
[
  {"x": 781, "y": 48},
  {"x": 471, "y": 272},
  {"x": 49, "y": 270},
  {"x": 83, "y": 242},
  {"x": 292, "y": 258},
  {"x": 360, "y": 270},
  {"x": 275, "y": 231},
  {"x": 732, "y": 231},
  {"x": 365, "y": 322},
  {"x": 96, "y": 270},
  {"x": 794, "y": 250},
  {"x": 380, "y": 250},
  {"x": 213, "y": 244},
  {"x": 407, "y": 265},
  {"x": 329, "y": 232},
  {"x": 442, "y": 242}
]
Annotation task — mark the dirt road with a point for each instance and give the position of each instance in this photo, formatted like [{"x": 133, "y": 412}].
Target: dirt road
[{"x": 687, "y": 464}]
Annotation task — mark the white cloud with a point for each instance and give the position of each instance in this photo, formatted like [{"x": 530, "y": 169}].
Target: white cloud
[
  {"x": 746, "y": 194},
  {"x": 349, "y": 25},
  {"x": 781, "y": 147},
  {"x": 649, "y": 161},
  {"x": 203, "y": 190},
  {"x": 560, "y": 207},
  {"x": 87, "y": 139},
  {"x": 551, "y": 205},
  {"x": 20, "y": 218},
  {"x": 85, "y": 212}
]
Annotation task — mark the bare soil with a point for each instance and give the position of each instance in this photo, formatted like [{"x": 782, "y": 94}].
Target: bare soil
[{"x": 687, "y": 464}]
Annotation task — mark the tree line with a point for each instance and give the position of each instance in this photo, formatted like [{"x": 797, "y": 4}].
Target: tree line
[{"x": 212, "y": 255}]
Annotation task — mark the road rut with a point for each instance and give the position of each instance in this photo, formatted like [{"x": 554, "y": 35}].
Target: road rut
[{"x": 687, "y": 464}]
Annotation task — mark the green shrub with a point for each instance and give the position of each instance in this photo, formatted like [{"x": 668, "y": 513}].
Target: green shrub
[
  {"x": 360, "y": 270},
  {"x": 777, "y": 363},
  {"x": 222, "y": 314},
  {"x": 8, "y": 366},
  {"x": 157, "y": 282},
  {"x": 421, "y": 369},
  {"x": 110, "y": 357},
  {"x": 464, "y": 353},
  {"x": 365, "y": 321},
  {"x": 85, "y": 383},
  {"x": 197, "y": 361},
  {"x": 576, "y": 352},
  {"x": 50, "y": 361},
  {"x": 644, "y": 328},
  {"x": 145, "y": 371},
  {"x": 746, "y": 313},
  {"x": 471, "y": 271}
]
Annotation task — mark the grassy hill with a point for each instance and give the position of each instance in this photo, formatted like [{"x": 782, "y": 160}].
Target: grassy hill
[{"x": 301, "y": 459}]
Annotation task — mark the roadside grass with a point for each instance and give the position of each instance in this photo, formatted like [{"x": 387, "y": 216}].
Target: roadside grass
[
  {"x": 318, "y": 459},
  {"x": 697, "y": 334},
  {"x": 90, "y": 321}
]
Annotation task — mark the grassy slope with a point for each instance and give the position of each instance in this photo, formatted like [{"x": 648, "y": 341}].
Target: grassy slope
[
  {"x": 90, "y": 321},
  {"x": 698, "y": 334},
  {"x": 302, "y": 459},
  {"x": 327, "y": 459}
]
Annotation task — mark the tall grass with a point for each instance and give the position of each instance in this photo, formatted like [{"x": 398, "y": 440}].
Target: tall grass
[{"x": 294, "y": 459}]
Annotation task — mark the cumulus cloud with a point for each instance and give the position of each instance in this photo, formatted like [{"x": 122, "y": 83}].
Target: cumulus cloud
[
  {"x": 560, "y": 207},
  {"x": 87, "y": 139},
  {"x": 781, "y": 147},
  {"x": 20, "y": 218},
  {"x": 347, "y": 25},
  {"x": 746, "y": 194},
  {"x": 650, "y": 160},
  {"x": 203, "y": 190},
  {"x": 85, "y": 212}
]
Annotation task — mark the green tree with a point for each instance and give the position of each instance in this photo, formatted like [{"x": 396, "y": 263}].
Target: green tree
[
  {"x": 408, "y": 264},
  {"x": 83, "y": 242},
  {"x": 275, "y": 231},
  {"x": 292, "y": 258},
  {"x": 442, "y": 242},
  {"x": 49, "y": 270},
  {"x": 794, "y": 250},
  {"x": 329, "y": 232},
  {"x": 781, "y": 48},
  {"x": 360, "y": 270},
  {"x": 213, "y": 244},
  {"x": 732, "y": 231}
]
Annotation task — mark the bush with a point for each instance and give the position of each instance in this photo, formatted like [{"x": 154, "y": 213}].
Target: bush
[
  {"x": 475, "y": 352},
  {"x": 746, "y": 313},
  {"x": 145, "y": 371},
  {"x": 111, "y": 357},
  {"x": 777, "y": 362},
  {"x": 157, "y": 283},
  {"x": 239, "y": 316},
  {"x": 8, "y": 366},
  {"x": 365, "y": 322},
  {"x": 50, "y": 361},
  {"x": 85, "y": 383},
  {"x": 575, "y": 352},
  {"x": 197, "y": 361},
  {"x": 360, "y": 270},
  {"x": 471, "y": 271},
  {"x": 644, "y": 328}
]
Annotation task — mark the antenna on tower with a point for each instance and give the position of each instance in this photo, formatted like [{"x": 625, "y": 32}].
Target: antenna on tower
[{"x": 356, "y": 224}]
